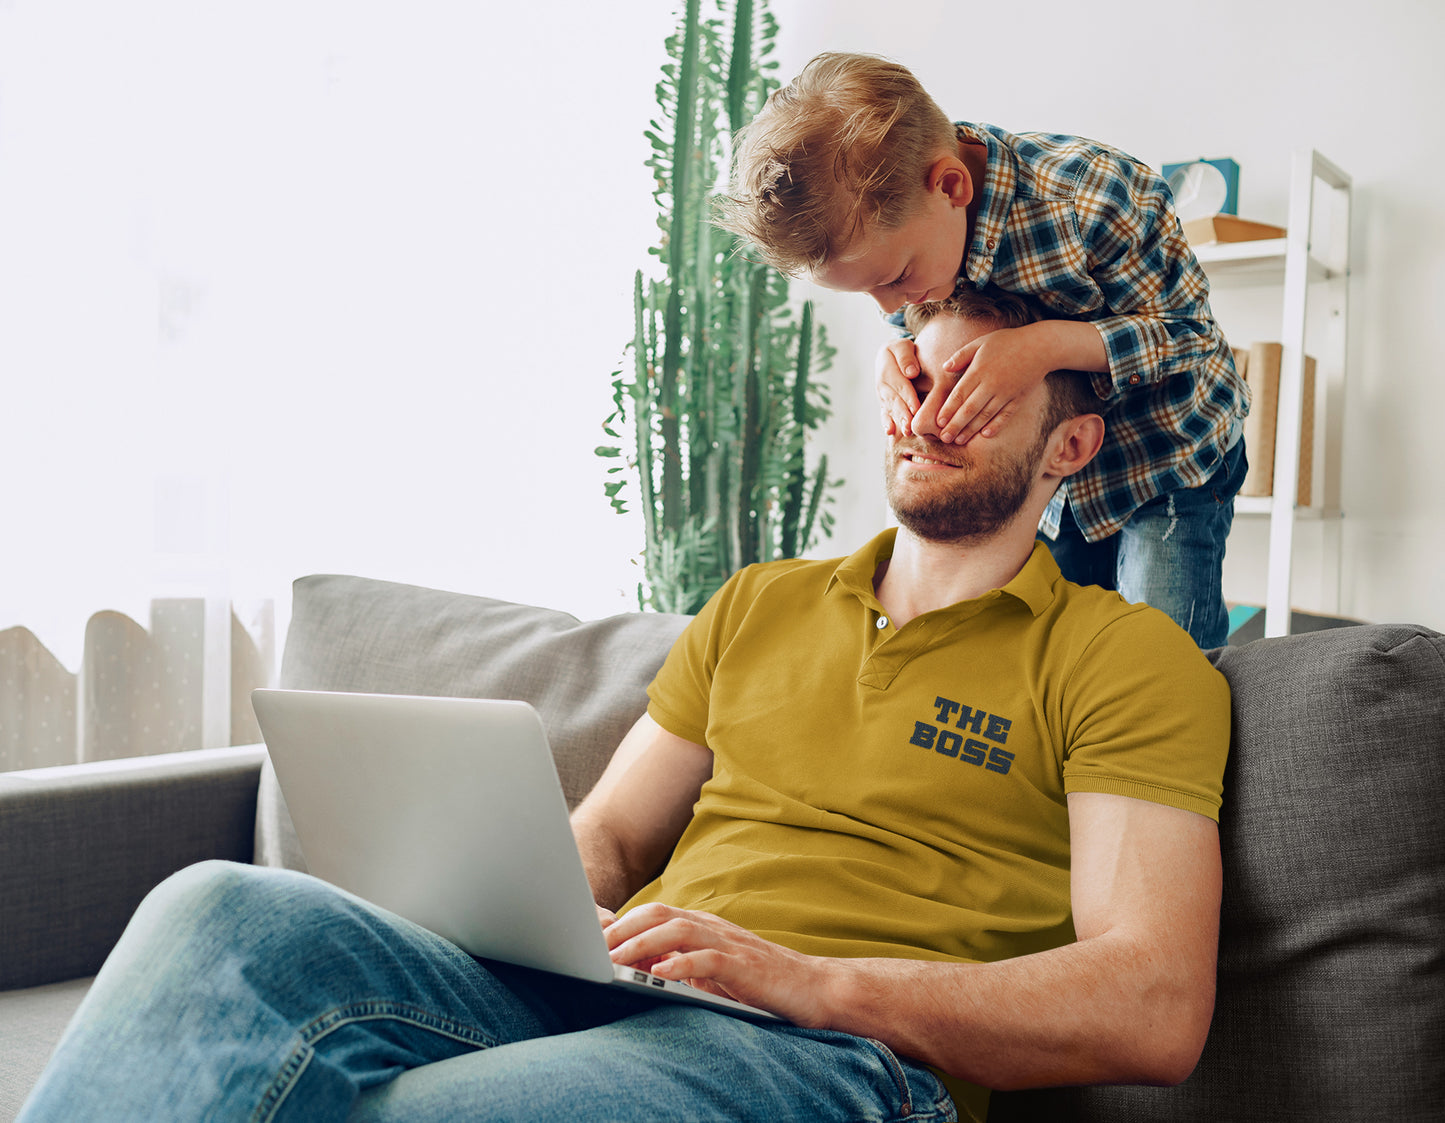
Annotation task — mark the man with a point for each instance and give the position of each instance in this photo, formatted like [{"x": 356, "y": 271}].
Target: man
[{"x": 947, "y": 814}]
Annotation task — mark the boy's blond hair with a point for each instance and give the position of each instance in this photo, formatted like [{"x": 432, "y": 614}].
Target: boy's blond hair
[{"x": 846, "y": 144}]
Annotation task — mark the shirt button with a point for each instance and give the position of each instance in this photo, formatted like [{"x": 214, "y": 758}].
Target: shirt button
[
  {"x": 882, "y": 622},
  {"x": 991, "y": 243},
  {"x": 1133, "y": 380}
]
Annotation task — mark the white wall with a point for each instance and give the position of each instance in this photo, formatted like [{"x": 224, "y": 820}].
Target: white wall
[
  {"x": 328, "y": 286},
  {"x": 314, "y": 285},
  {"x": 1251, "y": 81}
]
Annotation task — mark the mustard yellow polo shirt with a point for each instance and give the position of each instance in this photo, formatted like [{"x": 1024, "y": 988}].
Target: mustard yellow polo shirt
[
  {"x": 900, "y": 792},
  {"x": 882, "y": 791}
]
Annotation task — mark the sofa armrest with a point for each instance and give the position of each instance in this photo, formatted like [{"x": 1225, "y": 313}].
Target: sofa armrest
[{"x": 80, "y": 845}]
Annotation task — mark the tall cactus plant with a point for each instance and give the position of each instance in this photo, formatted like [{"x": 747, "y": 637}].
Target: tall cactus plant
[{"x": 713, "y": 411}]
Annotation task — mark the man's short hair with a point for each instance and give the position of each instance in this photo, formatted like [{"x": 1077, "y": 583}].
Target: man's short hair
[
  {"x": 847, "y": 144},
  {"x": 1071, "y": 392}
]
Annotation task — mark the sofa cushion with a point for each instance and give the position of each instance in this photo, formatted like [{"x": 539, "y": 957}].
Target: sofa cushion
[
  {"x": 81, "y": 844},
  {"x": 587, "y": 680},
  {"x": 1331, "y": 999},
  {"x": 31, "y": 1022}
]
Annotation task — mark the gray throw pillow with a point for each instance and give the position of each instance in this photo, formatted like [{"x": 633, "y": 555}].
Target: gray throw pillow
[
  {"x": 1331, "y": 996},
  {"x": 588, "y": 680}
]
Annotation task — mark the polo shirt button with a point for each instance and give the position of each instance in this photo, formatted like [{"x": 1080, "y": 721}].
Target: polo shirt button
[{"x": 882, "y": 622}]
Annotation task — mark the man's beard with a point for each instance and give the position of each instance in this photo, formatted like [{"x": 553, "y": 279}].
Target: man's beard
[{"x": 979, "y": 503}]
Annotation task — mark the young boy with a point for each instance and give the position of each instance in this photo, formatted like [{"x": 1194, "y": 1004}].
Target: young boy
[{"x": 854, "y": 176}]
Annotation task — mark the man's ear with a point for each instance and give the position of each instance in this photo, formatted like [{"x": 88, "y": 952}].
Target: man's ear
[
  {"x": 949, "y": 175},
  {"x": 1073, "y": 444}
]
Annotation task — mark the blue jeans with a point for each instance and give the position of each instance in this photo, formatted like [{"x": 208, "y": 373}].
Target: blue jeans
[
  {"x": 1170, "y": 554},
  {"x": 240, "y": 993}
]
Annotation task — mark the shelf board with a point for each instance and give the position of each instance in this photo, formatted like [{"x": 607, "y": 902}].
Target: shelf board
[
  {"x": 1260, "y": 261},
  {"x": 1264, "y": 505}
]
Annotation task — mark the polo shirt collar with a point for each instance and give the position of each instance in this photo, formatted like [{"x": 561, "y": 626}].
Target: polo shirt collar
[
  {"x": 1033, "y": 584},
  {"x": 855, "y": 572}
]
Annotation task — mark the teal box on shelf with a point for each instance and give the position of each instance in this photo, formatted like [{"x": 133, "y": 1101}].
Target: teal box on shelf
[{"x": 1226, "y": 167}]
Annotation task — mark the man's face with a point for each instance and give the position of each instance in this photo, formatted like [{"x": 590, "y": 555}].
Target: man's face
[
  {"x": 914, "y": 262},
  {"x": 944, "y": 493}
]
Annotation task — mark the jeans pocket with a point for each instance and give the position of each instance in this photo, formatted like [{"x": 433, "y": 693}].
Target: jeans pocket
[
  {"x": 922, "y": 1097},
  {"x": 1228, "y": 478}
]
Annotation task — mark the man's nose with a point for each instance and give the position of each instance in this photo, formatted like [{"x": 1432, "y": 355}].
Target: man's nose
[{"x": 925, "y": 420}]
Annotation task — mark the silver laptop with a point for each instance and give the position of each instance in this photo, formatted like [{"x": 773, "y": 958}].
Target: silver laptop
[{"x": 448, "y": 812}]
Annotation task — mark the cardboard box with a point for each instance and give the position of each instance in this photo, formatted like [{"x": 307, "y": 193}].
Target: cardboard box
[
  {"x": 1260, "y": 367},
  {"x": 1228, "y": 228}
]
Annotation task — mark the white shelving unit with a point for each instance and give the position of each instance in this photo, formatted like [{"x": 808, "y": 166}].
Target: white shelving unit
[{"x": 1312, "y": 262}]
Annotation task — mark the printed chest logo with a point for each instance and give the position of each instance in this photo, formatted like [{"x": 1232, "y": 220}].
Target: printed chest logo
[{"x": 967, "y": 735}]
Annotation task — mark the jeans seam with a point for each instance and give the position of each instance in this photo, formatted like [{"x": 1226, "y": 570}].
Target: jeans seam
[
  {"x": 374, "y": 1010},
  {"x": 275, "y": 1096},
  {"x": 890, "y": 1060}
]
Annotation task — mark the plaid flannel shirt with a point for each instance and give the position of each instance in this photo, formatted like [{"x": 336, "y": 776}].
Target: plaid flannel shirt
[{"x": 1091, "y": 233}]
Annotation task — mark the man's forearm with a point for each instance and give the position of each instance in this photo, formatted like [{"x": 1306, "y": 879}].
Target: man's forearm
[
  {"x": 1129, "y": 1001},
  {"x": 1128, "y": 1004},
  {"x": 1105, "y": 1010}
]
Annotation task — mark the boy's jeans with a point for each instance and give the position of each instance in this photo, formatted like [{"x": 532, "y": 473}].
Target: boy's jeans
[
  {"x": 1170, "y": 554},
  {"x": 240, "y": 993}
]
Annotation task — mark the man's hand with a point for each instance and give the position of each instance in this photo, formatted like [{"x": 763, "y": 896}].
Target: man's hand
[
  {"x": 717, "y": 956},
  {"x": 897, "y": 365}
]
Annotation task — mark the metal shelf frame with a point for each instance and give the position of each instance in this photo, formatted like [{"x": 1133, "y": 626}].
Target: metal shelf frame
[{"x": 1315, "y": 248}]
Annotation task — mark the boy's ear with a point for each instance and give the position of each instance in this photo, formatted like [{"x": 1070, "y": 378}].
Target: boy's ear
[
  {"x": 1082, "y": 437},
  {"x": 951, "y": 176}
]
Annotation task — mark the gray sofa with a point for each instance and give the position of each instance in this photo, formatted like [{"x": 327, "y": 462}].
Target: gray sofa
[{"x": 1331, "y": 999}]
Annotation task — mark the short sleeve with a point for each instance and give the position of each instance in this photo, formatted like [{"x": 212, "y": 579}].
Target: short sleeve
[
  {"x": 1147, "y": 716},
  {"x": 679, "y": 695}
]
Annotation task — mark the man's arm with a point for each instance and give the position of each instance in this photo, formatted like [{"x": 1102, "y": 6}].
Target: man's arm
[
  {"x": 1129, "y": 1002},
  {"x": 629, "y": 823}
]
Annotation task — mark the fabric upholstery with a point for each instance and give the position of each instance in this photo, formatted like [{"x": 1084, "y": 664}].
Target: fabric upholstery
[
  {"x": 587, "y": 680},
  {"x": 1331, "y": 996},
  {"x": 31, "y": 1022},
  {"x": 80, "y": 847}
]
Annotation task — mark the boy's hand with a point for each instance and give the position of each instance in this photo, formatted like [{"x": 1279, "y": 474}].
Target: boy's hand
[
  {"x": 997, "y": 370},
  {"x": 995, "y": 373},
  {"x": 897, "y": 365}
]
